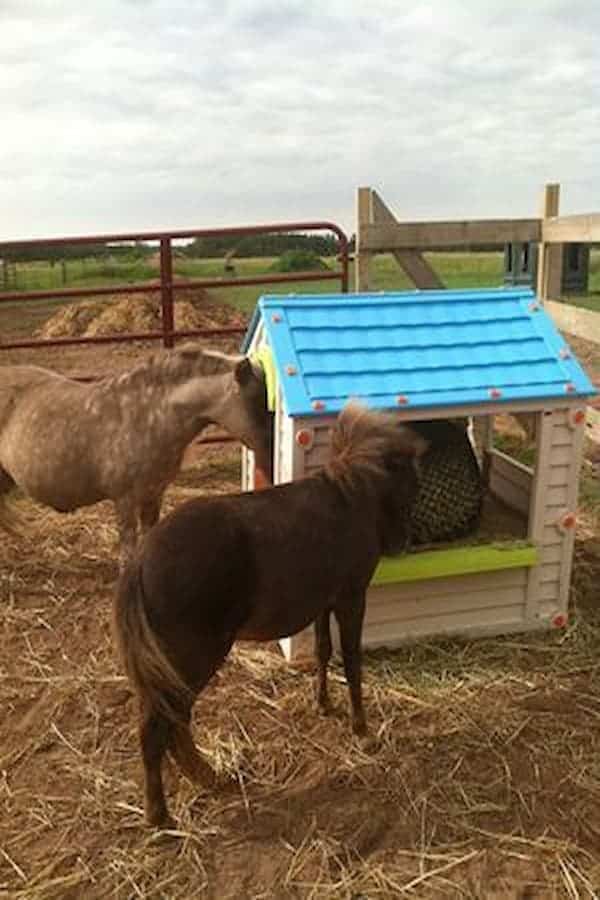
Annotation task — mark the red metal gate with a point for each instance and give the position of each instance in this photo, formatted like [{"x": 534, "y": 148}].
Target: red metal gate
[{"x": 167, "y": 285}]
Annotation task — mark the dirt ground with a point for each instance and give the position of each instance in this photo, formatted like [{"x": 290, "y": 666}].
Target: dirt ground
[{"x": 481, "y": 778}]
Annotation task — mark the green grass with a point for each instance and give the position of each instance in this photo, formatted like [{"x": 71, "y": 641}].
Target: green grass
[
  {"x": 42, "y": 276},
  {"x": 455, "y": 270},
  {"x": 591, "y": 300},
  {"x": 586, "y": 301},
  {"x": 589, "y": 494},
  {"x": 467, "y": 270}
]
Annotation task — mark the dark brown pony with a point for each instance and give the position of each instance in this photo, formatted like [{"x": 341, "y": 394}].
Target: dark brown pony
[{"x": 261, "y": 566}]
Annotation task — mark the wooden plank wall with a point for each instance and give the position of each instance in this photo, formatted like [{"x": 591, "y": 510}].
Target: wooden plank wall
[
  {"x": 510, "y": 481},
  {"x": 560, "y": 455},
  {"x": 488, "y": 601}
]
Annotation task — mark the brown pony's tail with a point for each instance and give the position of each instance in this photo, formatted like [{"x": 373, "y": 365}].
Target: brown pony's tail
[{"x": 159, "y": 686}]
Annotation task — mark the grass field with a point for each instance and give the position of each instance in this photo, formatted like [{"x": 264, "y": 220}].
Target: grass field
[
  {"x": 464, "y": 269},
  {"x": 455, "y": 270}
]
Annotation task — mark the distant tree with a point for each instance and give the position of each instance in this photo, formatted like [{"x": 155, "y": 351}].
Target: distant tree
[
  {"x": 262, "y": 245},
  {"x": 56, "y": 252},
  {"x": 298, "y": 261}
]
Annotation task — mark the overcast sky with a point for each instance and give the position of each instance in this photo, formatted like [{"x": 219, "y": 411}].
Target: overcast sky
[{"x": 123, "y": 115}]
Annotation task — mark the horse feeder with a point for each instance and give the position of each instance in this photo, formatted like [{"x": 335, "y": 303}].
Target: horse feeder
[{"x": 438, "y": 355}]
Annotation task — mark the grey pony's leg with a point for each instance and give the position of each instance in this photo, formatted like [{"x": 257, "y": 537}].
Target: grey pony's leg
[
  {"x": 6, "y": 482},
  {"x": 150, "y": 512},
  {"x": 127, "y": 527},
  {"x": 8, "y": 521}
]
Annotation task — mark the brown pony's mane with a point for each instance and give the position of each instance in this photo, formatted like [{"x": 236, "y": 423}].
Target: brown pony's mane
[{"x": 360, "y": 441}]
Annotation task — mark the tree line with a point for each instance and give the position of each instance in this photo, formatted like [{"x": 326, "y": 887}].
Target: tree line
[{"x": 207, "y": 247}]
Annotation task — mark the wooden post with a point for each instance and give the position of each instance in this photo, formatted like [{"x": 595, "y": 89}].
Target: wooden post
[
  {"x": 550, "y": 256},
  {"x": 362, "y": 258}
]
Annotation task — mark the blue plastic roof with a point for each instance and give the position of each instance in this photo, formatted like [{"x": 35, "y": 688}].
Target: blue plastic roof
[{"x": 416, "y": 349}]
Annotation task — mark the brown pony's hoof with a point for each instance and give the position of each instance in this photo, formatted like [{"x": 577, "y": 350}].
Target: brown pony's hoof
[
  {"x": 304, "y": 664},
  {"x": 325, "y": 707},
  {"x": 224, "y": 782},
  {"x": 359, "y": 727},
  {"x": 367, "y": 742},
  {"x": 201, "y": 773},
  {"x": 160, "y": 821}
]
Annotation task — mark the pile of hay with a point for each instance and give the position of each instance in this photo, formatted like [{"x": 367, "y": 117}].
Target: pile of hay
[{"x": 137, "y": 313}]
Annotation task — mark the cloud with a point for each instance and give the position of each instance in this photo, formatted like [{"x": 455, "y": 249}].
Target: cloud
[{"x": 142, "y": 114}]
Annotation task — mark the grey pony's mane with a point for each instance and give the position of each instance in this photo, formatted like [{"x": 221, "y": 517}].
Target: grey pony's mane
[{"x": 173, "y": 366}]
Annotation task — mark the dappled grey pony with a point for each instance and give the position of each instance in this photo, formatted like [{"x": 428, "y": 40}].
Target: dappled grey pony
[{"x": 69, "y": 444}]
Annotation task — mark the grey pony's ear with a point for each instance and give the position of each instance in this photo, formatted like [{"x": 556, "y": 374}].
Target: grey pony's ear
[{"x": 245, "y": 372}]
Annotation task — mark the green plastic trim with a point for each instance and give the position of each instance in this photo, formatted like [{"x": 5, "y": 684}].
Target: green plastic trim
[
  {"x": 456, "y": 561},
  {"x": 263, "y": 357}
]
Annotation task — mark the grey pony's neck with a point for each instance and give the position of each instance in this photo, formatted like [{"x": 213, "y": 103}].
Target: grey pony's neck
[
  {"x": 151, "y": 387},
  {"x": 193, "y": 416}
]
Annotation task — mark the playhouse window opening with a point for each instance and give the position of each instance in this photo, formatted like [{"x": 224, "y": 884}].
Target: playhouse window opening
[
  {"x": 515, "y": 436},
  {"x": 505, "y": 448},
  {"x": 573, "y": 257},
  {"x": 509, "y": 470}
]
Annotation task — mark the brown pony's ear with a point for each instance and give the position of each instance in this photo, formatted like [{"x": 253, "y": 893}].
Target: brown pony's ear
[{"x": 244, "y": 371}]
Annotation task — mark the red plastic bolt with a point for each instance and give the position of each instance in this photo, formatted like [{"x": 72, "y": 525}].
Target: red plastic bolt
[
  {"x": 401, "y": 400},
  {"x": 304, "y": 437},
  {"x": 275, "y": 317},
  {"x": 495, "y": 393},
  {"x": 569, "y": 520},
  {"x": 560, "y": 620},
  {"x": 570, "y": 387},
  {"x": 291, "y": 370},
  {"x": 579, "y": 417},
  {"x": 318, "y": 404}
]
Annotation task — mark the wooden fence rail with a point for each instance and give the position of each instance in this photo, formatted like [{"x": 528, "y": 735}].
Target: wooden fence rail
[{"x": 379, "y": 231}]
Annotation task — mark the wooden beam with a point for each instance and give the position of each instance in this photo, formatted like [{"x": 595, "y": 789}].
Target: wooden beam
[
  {"x": 412, "y": 262},
  {"x": 551, "y": 200},
  {"x": 549, "y": 280},
  {"x": 362, "y": 257},
  {"x": 418, "y": 269},
  {"x": 431, "y": 235},
  {"x": 572, "y": 229},
  {"x": 584, "y": 323}
]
